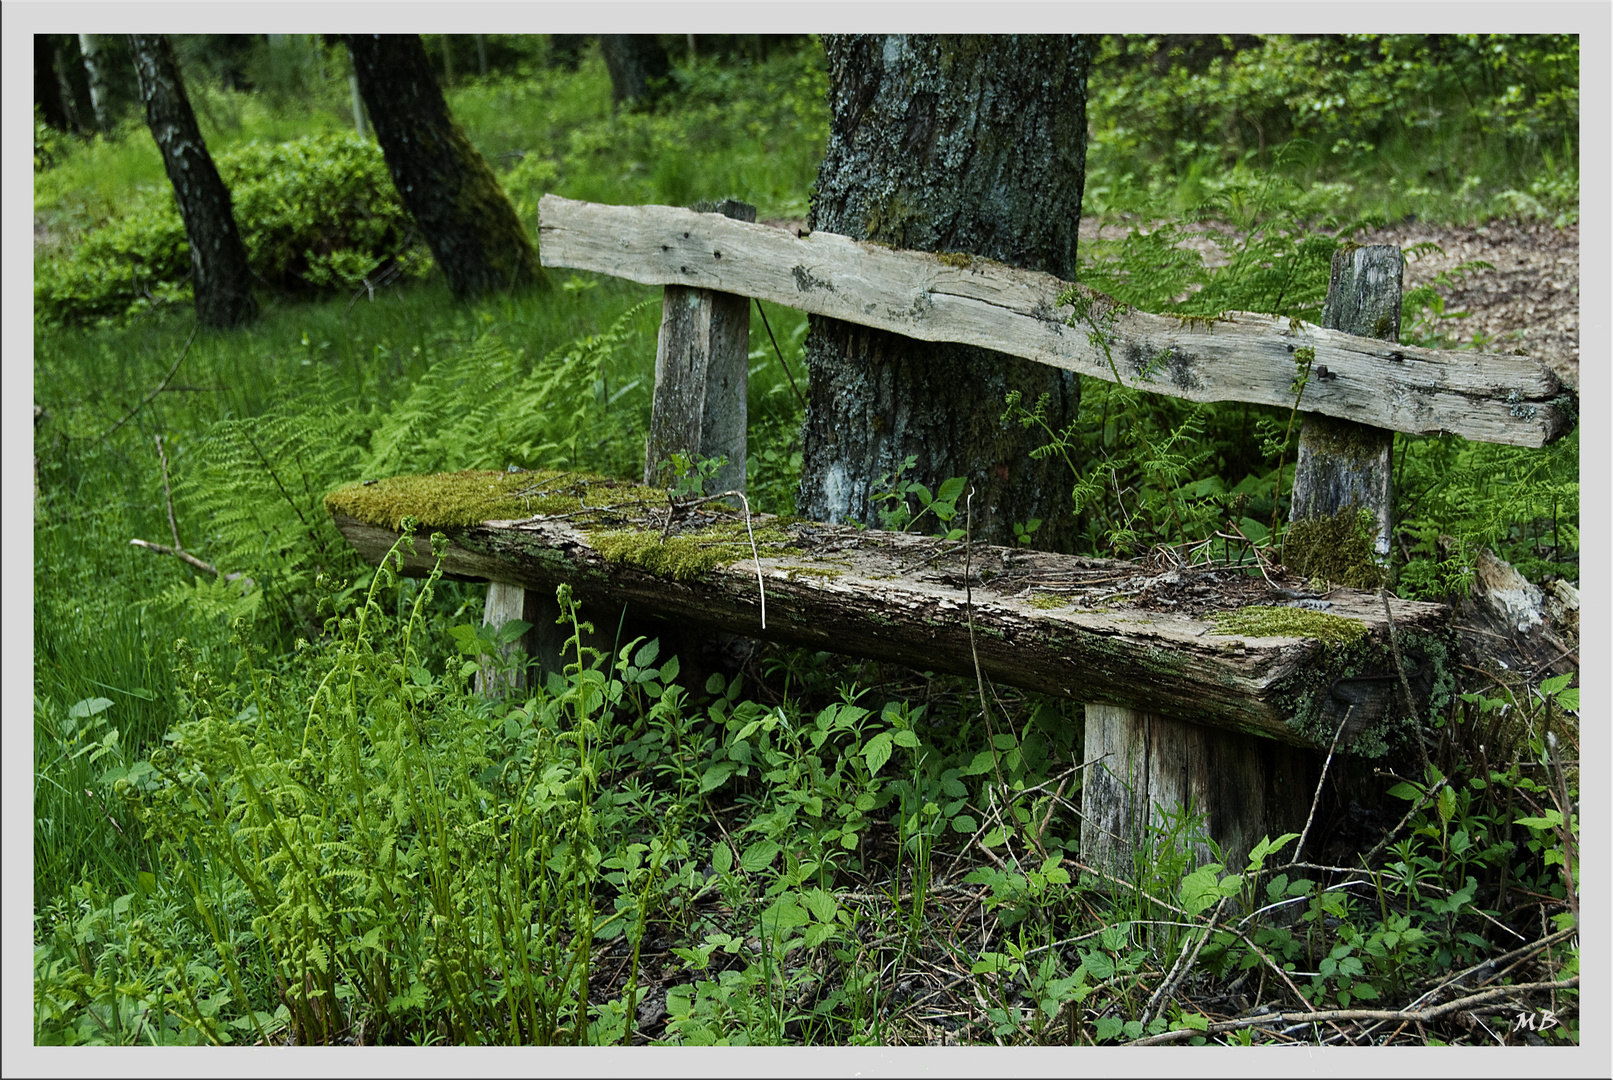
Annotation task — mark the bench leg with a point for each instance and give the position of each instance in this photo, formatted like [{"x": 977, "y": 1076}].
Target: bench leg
[{"x": 1150, "y": 767}]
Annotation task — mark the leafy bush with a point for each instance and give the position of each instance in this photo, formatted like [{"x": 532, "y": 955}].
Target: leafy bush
[{"x": 316, "y": 214}]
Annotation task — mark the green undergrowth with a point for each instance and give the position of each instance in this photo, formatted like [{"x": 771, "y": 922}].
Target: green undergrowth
[{"x": 348, "y": 845}]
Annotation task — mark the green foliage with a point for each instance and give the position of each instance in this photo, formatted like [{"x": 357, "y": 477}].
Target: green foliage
[
  {"x": 1445, "y": 125},
  {"x": 316, "y": 214}
]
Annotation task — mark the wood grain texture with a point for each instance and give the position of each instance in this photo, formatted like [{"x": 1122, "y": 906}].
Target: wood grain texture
[
  {"x": 900, "y": 597},
  {"x": 1150, "y": 767},
  {"x": 1342, "y": 463},
  {"x": 1241, "y": 357}
]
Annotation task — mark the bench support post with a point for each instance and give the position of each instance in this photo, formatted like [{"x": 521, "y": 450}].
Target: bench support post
[
  {"x": 1248, "y": 787},
  {"x": 701, "y": 359},
  {"x": 1342, "y": 463},
  {"x": 1146, "y": 769},
  {"x": 701, "y": 374}
]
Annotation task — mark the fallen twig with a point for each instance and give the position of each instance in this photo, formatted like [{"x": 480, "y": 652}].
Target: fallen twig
[
  {"x": 1413, "y": 1016},
  {"x": 151, "y": 396}
]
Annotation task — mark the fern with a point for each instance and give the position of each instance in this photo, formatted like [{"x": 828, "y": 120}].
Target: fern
[
  {"x": 258, "y": 483},
  {"x": 477, "y": 410}
]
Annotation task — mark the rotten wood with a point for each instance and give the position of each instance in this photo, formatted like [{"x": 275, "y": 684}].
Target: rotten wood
[
  {"x": 1240, "y": 356},
  {"x": 1092, "y": 630}
]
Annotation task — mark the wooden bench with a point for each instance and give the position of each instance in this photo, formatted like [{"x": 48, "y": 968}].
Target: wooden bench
[{"x": 1203, "y": 686}]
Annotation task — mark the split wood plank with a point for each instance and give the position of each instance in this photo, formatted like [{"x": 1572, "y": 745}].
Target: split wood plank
[
  {"x": 1242, "y": 356},
  {"x": 901, "y": 598}
]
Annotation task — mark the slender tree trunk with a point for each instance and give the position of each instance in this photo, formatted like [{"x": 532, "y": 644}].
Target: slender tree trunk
[
  {"x": 443, "y": 180},
  {"x": 974, "y": 145},
  {"x": 54, "y": 106},
  {"x": 638, "y": 68},
  {"x": 219, "y": 269},
  {"x": 94, "y": 71}
]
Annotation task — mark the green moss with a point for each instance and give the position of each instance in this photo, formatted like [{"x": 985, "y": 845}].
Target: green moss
[
  {"x": 447, "y": 500},
  {"x": 1047, "y": 603},
  {"x": 1338, "y": 549},
  {"x": 686, "y": 556},
  {"x": 958, "y": 259},
  {"x": 1333, "y": 630},
  {"x": 793, "y": 572}
]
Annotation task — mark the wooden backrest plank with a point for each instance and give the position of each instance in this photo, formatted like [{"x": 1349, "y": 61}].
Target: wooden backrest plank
[{"x": 1248, "y": 357}]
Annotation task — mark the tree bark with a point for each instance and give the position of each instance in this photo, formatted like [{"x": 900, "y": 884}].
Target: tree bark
[
  {"x": 94, "y": 71},
  {"x": 219, "y": 271},
  {"x": 974, "y": 145},
  {"x": 444, "y": 182},
  {"x": 638, "y": 68}
]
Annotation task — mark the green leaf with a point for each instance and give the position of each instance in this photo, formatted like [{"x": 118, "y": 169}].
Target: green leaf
[
  {"x": 1447, "y": 803},
  {"x": 717, "y": 775},
  {"x": 512, "y": 631},
  {"x": 670, "y": 669},
  {"x": 722, "y": 857},
  {"x": 1192, "y": 1022},
  {"x": 1551, "y": 820},
  {"x": 905, "y": 738},
  {"x": 1107, "y": 1027},
  {"x": 759, "y": 856},
  {"x": 1569, "y": 699},
  {"x": 983, "y": 762},
  {"x": 1555, "y": 684},
  {"x": 89, "y": 707},
  {"x": 963, "y": 823},
  {"x": 877, "y": 751},
  {"x": 1408, "y": 791},
  {"x": 647, "y": 653},
  {"x": 821, "y": 903}
]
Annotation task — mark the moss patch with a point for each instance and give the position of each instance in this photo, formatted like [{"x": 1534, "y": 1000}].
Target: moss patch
[
  {"x": 1047, "y": 603},
  {"x": 1291, "y": 622},
  {"x": 958, "y": 259},
  {"x": 1337, "y": 549},
  {"x": 600, "y": 505},
  {"x": 685, "y": 556},
  {"x": 445, "y": 500}
]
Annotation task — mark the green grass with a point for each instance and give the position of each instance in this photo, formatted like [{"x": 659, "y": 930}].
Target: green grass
[{"x": 780, "y": 853}]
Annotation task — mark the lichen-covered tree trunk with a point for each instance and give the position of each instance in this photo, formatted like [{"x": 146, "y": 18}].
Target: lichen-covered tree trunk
[
  {"x": 638, "y": 67},
  {"x": 95, "y": 72},
  {"x": 969, "y": 144},
  {"x": 220, "y": 275},
  {"x": 447, "y": 186}
]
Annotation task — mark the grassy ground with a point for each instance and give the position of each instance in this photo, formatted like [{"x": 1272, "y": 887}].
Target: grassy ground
[{"x": 800, "y": 850}]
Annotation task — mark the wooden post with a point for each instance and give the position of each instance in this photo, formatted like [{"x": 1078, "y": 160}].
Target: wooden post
[
  {"x": 701, "y": 372},
  {"x": 1249, "y": 787},
  {"x": 1149, "y": 767},
  {"x": 1342, "y": 463},
  {"x": 700, "y": 378}
]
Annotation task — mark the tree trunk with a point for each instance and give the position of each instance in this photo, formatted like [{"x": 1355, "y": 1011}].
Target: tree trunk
[
  {"x": 638, "y": 68},
  {"x": 219, "y": 270},
  {"x": 974, "y": 145},
  {"x": 55, "y": 107},
  {"x": 100, "y": 99},
  {"x": 444, "y": 182}
]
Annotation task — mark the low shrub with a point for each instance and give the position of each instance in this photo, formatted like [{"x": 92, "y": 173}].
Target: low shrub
[{"x": 316, "y": 214}]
